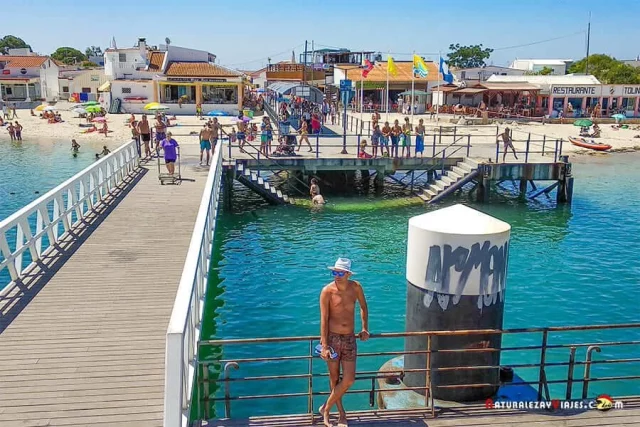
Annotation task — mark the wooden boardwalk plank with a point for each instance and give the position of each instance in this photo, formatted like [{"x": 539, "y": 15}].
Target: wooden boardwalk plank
[
  {"x": 83, "y": 338},
  {"x": 471, "y": 416}
]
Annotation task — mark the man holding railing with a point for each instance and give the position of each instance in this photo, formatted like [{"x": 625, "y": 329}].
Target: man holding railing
[{"x": 337, "y": 337}]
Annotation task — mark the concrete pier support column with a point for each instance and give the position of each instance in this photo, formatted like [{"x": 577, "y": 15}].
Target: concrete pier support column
[
  {"x": 484, "y": 190},
  {"x": 565, "y": 183},
  {"x": 523, "y": 189},
  {"x": 456, "y": 279},
  {"x": 378, "y": 181}
]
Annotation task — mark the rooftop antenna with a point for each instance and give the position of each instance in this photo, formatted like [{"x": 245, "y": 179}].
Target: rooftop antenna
[{"x": 586, "y": 67}]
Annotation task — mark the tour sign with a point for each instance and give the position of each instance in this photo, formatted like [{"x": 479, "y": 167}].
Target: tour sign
[{"x": 345, "y": 85}]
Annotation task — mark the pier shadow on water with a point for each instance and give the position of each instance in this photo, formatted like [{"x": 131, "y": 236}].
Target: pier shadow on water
[{"x": 26, "y": 289}]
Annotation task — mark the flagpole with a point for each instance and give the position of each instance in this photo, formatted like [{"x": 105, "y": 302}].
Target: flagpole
[
  {"x": 413, "y": 84},
  {"x": 387, "y": 105},
  {"x": 439, "y": 88}
]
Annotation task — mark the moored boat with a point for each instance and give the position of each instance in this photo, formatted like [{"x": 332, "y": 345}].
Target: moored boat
[{"x": 581, "y": 142}]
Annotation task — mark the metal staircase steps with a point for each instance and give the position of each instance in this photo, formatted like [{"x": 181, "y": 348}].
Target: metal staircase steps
[
  {"x": 453, "y": 179},
  {"x": 258, "y": 185}
]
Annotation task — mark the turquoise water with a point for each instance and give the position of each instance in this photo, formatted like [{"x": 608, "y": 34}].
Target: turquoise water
[
  {"x": 31, "y": 168},
  {"x": 567, "y": 267}
]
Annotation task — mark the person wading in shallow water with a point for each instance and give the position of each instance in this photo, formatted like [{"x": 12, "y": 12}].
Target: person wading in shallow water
[{"x": 337, "y": 338}]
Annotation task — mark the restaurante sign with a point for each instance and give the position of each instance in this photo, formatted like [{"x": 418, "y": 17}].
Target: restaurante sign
[{"x": 573, "y": 90}]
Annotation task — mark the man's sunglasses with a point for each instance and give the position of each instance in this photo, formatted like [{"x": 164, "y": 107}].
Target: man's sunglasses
[{"x": 338, "y": 273}]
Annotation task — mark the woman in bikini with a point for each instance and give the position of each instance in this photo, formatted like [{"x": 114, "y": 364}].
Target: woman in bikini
[{"x": 304, "y": 136}]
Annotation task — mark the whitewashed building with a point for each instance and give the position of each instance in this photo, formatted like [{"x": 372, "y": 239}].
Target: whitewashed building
[
  {"x": 28, "y": 78},
  {"x": 72, "y": 83},
  {"x": 559, "y": 66},
  {"x": 170, "y": 74}
]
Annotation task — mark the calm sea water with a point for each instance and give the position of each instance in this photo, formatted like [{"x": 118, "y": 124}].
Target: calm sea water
[
  {"x": 567, "y": 267},
  {"x": 29, "y": 169}
]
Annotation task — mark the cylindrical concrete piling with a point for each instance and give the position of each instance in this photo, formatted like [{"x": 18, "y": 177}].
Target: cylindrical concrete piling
[{"x": 456, "y": 276}]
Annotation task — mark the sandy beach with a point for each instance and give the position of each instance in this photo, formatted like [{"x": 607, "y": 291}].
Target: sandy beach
[{"x": 187, "y": 128}]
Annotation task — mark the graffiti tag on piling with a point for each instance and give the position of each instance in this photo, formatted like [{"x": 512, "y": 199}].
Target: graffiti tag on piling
[{"x": 449, "y": 270}]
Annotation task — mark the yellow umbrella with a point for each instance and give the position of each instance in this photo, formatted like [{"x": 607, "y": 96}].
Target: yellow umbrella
[
  {"x": 151, "y": 105},
  {"x": 41, "y": 107}
]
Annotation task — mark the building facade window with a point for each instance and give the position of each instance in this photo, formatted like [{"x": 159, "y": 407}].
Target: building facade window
[
  {"x": 86, "y": 90},
  {"x": 122, "y": 57},
  {"x": 126, "y": 90},
  {"x": 65, "y": 89},
  {"x": 173, "y": 93},
  {"x": 219, "y": 95}
]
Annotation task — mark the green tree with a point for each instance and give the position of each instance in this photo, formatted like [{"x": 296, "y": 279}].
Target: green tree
[
  {"x": 88, "y": 64},
  {"x": 467, "y": 56},
  {"x": 607, "y": 69},
  {"x": 68, "y": 55},
  {"x": 93, "y": 51},
  {"x": 11, "y": 42},
  {"x": 544, "y": 72}
]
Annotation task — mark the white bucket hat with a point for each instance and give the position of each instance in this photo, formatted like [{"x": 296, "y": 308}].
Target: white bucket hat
[{"x": 342, "y": 264}]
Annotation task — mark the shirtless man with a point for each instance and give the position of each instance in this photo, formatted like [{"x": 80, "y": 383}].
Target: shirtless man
[
  {"x": 384, "y": 141},
  {"x": 216, "y": 129},
  {"x": 145, "y": 135},
  {"x": 337, "y": 326},
  {"x": 242, "y": 134},
  {"x": 508, "y": 143},
  {"x": 205, "y": 143},
  {"x": 17, "y": 128},
  {"x": 160, "y": 131}
]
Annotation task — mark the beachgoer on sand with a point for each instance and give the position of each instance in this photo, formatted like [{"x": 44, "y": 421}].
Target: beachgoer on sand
[{"x": 338, "y": 345}]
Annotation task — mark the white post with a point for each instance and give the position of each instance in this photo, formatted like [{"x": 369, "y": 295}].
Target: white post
[
  {"x": 361, "y": 93},
  {"x": 387, "y": 106},
  {"x": 27, "y": 98},
  {"x": 439, "y": 88},
  {"x": 413, "y": 85}
]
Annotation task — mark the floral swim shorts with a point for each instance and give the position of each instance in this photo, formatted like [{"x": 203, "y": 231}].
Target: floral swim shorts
[{"x": 344, "y": 345}]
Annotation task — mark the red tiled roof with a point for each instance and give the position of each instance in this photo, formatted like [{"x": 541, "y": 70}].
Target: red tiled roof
[
  {"x": 155, "y": 61},
  {"x": 198, "y": 69},
  {"x": 23, "y": 61}
]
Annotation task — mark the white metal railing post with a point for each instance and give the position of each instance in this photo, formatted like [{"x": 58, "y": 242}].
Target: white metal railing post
[
  {"x": 183, "y": 332},
  {"x": 57, "y": 206}
]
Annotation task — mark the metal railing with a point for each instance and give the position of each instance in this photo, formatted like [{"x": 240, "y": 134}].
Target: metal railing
[
  {"x": 540, "y": 382},
  {"x": 27, "y": 236},
  {"x": 183, "y": 332}
]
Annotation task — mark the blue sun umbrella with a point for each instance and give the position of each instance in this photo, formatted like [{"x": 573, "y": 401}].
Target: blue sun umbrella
[
  {"x": 619, "y": 117},
  {"x": 217, "y": 113}
]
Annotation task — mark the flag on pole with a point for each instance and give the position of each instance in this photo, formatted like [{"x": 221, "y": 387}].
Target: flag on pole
[
  {"x": 444, "y": 70},
  {"x": 419, "y": 67},
  {"x": 391, "y": 67},
  {"x": 367, "y": 67}
]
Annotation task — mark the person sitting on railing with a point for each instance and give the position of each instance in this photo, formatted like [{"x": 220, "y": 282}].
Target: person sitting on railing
[
  {"x": 338, "y": 345},
  {"x": 508, "y": 143}
]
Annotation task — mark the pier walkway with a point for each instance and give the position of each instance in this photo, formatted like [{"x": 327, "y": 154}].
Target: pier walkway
[{"x": 82, "y": 335}]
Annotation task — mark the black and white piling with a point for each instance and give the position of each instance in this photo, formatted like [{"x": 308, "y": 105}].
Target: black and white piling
[{"x": 456, "y": 276}]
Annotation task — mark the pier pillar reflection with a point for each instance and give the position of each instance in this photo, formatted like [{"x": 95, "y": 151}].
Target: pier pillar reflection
[{"x": 456, "y": 279}]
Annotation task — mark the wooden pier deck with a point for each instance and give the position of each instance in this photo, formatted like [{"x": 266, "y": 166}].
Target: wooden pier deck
[
  {"x": 82, "y": 340},
  {"x": 472, "y": 416}
]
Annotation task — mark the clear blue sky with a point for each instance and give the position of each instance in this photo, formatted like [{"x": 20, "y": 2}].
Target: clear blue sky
[{"x": 244, "y": 33}]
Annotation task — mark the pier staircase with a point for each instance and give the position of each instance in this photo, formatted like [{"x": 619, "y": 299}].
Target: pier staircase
[
  {"x": 260, "y": 186},
  {"x": 453, "y": 179}
]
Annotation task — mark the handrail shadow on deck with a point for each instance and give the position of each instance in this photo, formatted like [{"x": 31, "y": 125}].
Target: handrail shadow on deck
[{"x": 26, "y": 289}]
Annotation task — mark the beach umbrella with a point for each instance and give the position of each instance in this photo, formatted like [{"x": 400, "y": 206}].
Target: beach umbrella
[
  {"x": 93, "y": 109},
  {"x": 89, "y": 103},
  {"x": 99, "y": 120},
  {"x": 217, "y": 113},
  {"x": 244, "y": 119},
  {"x": 158, "y": 107},
  {"x": 151, "y": 105},
  {"x": 619, "y": 117},
  {"x": 79, "y": 110},
  {"x": 41, "y": 107},
  {"x": 584, "y": 123}
]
